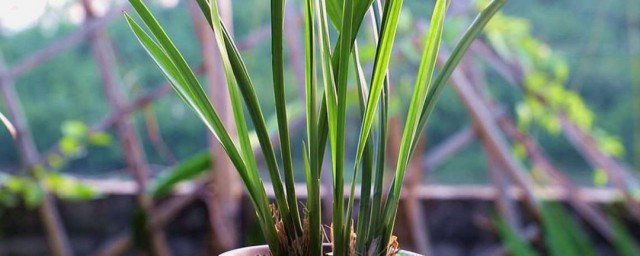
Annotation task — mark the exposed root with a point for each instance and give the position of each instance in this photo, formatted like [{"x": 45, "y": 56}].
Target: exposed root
[
  {"x": 352, "y": 240},
  {"x": 393, "y": 246},
  {"x": 295, "y": 245},
  {"x": 299, "y": 245}
]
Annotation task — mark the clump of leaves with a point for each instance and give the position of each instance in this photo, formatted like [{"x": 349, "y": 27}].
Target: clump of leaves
[
  {"x": 544, "y": 82},
  {"x": 327, "y": 70},
  {"x": 31, "y": 190},
  {"x": 30, "y": 186}
]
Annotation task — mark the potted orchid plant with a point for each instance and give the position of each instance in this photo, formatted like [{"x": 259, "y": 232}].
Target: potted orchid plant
[{"x": 329, "y": 72}]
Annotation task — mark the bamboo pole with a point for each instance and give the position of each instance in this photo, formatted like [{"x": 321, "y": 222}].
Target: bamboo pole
[
  {"x": 54, "y": 228},
  {"x": 580, "y": 139},
  {"x": 155, "y": 136},
  {"x": 147, "y": 98},
  {"x": 158, "y": 219},
  {"x": 587, "y": 146},
  {"x": 507, "y": 207},
  {"x": 131, "y": 146},
  {"x": 413, "y": 206},
  {"x": 437, "y": 192},
  {"x": 495, "y": 141},
  {"x": 588, "y": 212},
  {"x": 441, "y": 152},
  {"x": 60, "y": 45}
]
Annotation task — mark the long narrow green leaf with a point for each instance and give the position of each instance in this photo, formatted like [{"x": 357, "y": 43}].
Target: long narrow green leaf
[
  {"x": 8, "y": 125},
  {"x": 242, "y": 131},
  {"x": 421, "y": 87},
  {"x": 186, "y": 92},
  {"x": 233, "y": 64},
  {"x": 191, "y": 85},
  {"x": 207, "y": 114},
  {"x": 351, "y": 18},
  {"x": 313, "y": 203},
  {"x": 239, "y": 120},
  {"x": 341, "y": 231},
  {"x": 512, "y": 242},
  {"x": 562, "y": 235},
  {"x": 425, "y": 71},
  {"x": 364, "y": 216},
  {"x": 383, "y": 116},
  {"x": 383, "y": 54},
  {"x": 185, "y": 170},
  {"x": 624, "y": 243},
  {"x": 335, "y": 10},
  {"x": 330, "y": 96},
  {"x": 311, "y": 157},
  {"x": 331, "y": 113},
  {"x": 277, "y": 64},
  {"x": 454, "y": 59},
  {"x": 256, "y": 114},
  {"x": 182, "y": 78}
]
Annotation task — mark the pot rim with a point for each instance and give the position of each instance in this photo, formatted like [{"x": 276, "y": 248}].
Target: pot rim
[{"x": 261, "y": 249}]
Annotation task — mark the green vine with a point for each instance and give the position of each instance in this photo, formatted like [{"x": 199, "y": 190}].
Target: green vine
[{"x": 545, "y": 75}]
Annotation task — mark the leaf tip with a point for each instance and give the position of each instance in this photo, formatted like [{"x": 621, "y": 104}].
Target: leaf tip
[{"x": 9, "y": 125}]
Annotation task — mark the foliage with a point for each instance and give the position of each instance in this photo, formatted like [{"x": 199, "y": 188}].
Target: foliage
[
  {"x": 30, "y": 190},
  {"x": 514, "y": 244},
  {"x": 624, "y": 243},
  {"x": 563, "y": 236},
  {"x": 545, "y": 76},
  {"x": 283, "y": 228},
  {"x": 15, "y": 188},
  {"x": 185, "y": 170},
  {"x": 30, "y": 186},
  {"x": 76, "y": 137}
]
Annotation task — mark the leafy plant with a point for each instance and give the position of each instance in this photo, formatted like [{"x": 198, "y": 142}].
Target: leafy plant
[
  {"x": 544, "y": 83},
  {"x": 30, "y": 190},
  {"x": 513, "y": 243},
  {"x": 624, "y": 243},
  {"x": 31, "y": 186},
  {"x": 328, "y": 71},
  {"x": 563, "y": 235},
  {"x": 187, "y": 169}
]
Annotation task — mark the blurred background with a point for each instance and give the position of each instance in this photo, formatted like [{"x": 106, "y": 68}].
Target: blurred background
[{"x": 108, "y": 161}]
